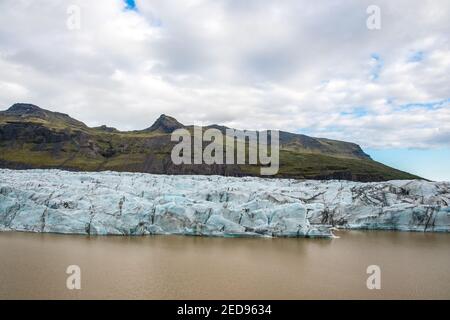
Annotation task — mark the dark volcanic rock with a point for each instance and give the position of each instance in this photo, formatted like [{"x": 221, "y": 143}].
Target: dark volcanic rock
[
  {"x": 106, "y": 128},
  {"x": 23, "y": 108},
  {"x": 165, "y": 124}
]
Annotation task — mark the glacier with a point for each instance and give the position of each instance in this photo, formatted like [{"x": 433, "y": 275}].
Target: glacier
[{"x": 118, "y": 203}]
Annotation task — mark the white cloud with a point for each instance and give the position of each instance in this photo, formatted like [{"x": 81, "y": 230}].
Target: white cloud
[{"x": 293, "y": 65}]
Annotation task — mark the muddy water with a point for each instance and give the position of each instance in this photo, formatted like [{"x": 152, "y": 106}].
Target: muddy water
[{"x": 413, "y": 265}]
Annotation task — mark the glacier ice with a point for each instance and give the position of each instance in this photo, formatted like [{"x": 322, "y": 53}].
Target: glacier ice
[{"x": 117, "y": 203}]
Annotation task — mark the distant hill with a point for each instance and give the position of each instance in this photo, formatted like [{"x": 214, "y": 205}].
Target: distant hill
[{"x": 32, "y": 137}]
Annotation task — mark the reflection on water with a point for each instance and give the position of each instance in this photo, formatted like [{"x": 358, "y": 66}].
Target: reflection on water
[{"x": 413, "y": 265}]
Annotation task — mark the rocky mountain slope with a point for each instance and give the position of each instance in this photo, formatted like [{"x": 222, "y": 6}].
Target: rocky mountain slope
[
  {"x": 102, "y": 203},
  {"x": 32, "y": 137}
]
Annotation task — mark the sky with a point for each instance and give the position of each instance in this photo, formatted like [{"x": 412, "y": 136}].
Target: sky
[{"x": 302, "y": 66}]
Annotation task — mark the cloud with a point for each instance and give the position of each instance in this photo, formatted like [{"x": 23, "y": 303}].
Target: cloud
[{"x": 293, "y": 65}]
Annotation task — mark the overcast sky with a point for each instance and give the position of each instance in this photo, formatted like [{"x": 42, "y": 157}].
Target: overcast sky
[{"x": 303, "y": 66}]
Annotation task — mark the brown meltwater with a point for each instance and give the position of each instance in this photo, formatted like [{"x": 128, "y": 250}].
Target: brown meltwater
[{"x": 413, "y": 265}]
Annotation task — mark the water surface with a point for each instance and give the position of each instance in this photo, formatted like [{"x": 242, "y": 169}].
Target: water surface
[{"x": 413, "y": 265}]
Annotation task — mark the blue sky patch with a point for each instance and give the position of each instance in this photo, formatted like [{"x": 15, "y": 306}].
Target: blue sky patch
[
  {"x": 356, "y": 112},
  {"x": 427, "y": 105},
  {"x": 416, "y": 56},
  {"x": 130, "y": 5},
  {"x": 426, "y": 163},
  {"x": 376, "y": 69}
]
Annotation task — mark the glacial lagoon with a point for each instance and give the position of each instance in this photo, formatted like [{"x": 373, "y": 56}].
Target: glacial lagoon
[{"x": 413, "y": 265}]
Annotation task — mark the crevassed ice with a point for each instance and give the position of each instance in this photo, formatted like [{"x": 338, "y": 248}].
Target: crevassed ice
[{"x": 102, "y": 203}]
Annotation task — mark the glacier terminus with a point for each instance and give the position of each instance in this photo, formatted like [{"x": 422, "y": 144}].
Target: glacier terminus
[{"x": 120, "y": 203}]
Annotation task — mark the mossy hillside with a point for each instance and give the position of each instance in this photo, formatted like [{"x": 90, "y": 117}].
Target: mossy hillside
[{"x": 44, "y": 139}]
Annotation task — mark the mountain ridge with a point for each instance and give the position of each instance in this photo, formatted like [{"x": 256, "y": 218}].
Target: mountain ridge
[
  {"x": 166, "y": 124},
  {"x": 33, "y": 137}
]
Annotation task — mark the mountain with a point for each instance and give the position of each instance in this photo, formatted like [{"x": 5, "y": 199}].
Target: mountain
[
  {"x": 32, "y": 137},
  {"x": 165, "y": 124}
]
